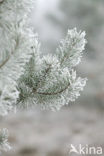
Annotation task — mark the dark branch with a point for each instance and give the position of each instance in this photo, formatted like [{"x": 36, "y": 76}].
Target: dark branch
[{"x": 55, "y": 93}]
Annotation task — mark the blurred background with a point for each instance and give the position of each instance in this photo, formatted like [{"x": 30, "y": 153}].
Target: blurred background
[{"x": 42, "y": 133}]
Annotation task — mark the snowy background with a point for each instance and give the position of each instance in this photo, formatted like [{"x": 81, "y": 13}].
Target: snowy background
[{"x": 48, "y": 134}]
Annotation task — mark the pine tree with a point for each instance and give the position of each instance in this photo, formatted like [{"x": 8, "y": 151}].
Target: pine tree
[{"x": 27, "y": 78}]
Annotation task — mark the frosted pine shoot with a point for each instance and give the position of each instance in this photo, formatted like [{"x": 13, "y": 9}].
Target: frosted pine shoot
[{"x": 50, "y": 81}]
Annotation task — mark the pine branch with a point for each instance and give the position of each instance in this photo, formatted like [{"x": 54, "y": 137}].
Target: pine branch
[
  {"x": 70, "y": 49},
  {"x": 47, "y": 83},
  {"x": 4, "y": 145},
  {"x": 15, "y": 49}
]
